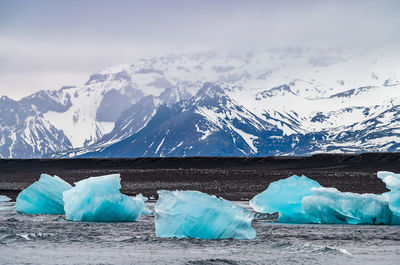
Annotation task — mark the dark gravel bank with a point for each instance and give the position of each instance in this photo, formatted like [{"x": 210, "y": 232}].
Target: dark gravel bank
[{"x": 233, "y": 178}]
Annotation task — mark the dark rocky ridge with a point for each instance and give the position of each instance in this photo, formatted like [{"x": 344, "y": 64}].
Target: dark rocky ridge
[{"x": 230, "y": 177}]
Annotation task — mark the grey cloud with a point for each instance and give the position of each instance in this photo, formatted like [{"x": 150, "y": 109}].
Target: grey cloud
[{"x": 46, "y": 43}]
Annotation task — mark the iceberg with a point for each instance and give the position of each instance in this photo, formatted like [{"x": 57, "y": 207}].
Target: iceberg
[
  {"x": 285, "y": 196},
  {"x": 98, "y": 199},
  {"x": 142, "y": 201},
  {"x": 330, "y": 206},
  {"x": 4, "y": 203},
  {"x": 4, "y": 198},
  {"x": 193, "y": 214},
  {"x": 43, "y": 196},
  {"x": 392, "y": 182}
]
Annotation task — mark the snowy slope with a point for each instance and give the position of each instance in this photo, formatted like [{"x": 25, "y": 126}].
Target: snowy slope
[
  {"x": 259, "y": 102},
  {"x": 209, "y": 123},
  {"x": 23, "y": 130}
]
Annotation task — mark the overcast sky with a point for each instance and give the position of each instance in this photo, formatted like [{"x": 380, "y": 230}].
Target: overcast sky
[{"x": 48, "y": 44}]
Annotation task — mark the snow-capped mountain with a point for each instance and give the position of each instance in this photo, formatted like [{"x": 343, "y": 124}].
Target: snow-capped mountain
[
  {"x": 291, "y": 101},
  {"x": 209, "y": 123},
  {"x": 23, "y": 129}
]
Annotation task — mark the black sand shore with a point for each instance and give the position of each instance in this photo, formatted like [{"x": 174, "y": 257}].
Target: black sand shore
[{"x": 233, "y": 178}]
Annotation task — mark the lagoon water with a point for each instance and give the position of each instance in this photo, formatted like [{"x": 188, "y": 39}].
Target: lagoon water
[{"x": 50, "y": 239}]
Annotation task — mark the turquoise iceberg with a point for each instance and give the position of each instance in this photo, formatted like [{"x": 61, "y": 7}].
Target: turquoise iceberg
[
  {"x": 43, "y": 196},
  {"x": 330, "y": 206},
  {"x": 284, "y": 196},
  {"x": 392, "y": 182},
  {"x": 98, "y": 199},
  {"x": 192, "y": 214}
]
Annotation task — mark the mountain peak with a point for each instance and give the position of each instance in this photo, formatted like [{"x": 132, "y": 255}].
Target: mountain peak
[
  {"x": 258, "y": 103},
  {"x": 102, "y": 77},
  {"x": 275, "y": 91},
  {"x": 6, "y": 99},
  {"x": 210, "y": 90}
]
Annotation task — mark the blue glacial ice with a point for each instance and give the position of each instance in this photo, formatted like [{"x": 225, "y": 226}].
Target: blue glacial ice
[
  {"x": 98, "y": 199},
  {"x": 284, "y": 196},
  {"x": 192, "y": 214},
  {"x": 142, "y": 201},
  {"x": 4, "y": 198},
  {"x": 330, "y": 206},
  {"x": 43, "y": 196},
  {"x": 392, "y": 182}
]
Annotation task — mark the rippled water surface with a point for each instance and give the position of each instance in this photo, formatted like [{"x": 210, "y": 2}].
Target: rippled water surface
[{"x": 50, "y": 239}]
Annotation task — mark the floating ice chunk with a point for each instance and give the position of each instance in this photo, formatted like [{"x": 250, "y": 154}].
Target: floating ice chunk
[
  {"x": 330, "y": 206},
  {"x": 98, "y": 199},
  {"x": 6, "y": 208},
  {"x": 284, "y": 196},
  {"x": 142, "y": 201},
  {"x": 198, "y": 215},
  {"x": 4, "y": 201},
  {"x": 392, "y": 182},
  {"x": 4, "y": 198},
  {"x": 43, "y": 196}
]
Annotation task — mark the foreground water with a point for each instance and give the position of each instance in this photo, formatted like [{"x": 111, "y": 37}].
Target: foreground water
[{"x": 50, "y": 239}]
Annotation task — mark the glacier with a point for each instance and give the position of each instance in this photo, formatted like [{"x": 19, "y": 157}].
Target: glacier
[
  {"x": 330, "y": 206},
  {"x": 193, "y": 214},
  {"x": 43, "y": 196},
  {"x": 98, "y": 199},
  {"x": 392, "y": 182},
  {"x": 285, "y": 196}
]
